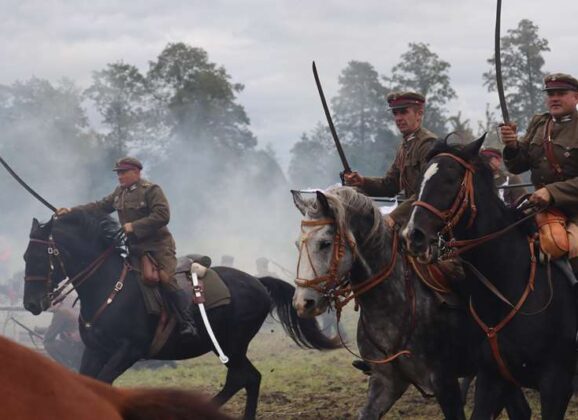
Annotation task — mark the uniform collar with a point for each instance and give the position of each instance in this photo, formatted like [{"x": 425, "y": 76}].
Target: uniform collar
[
  {"x": 133, "y": 186},
  {"x": 411, "y": 136},
  {"x": 565, "y": 118}
]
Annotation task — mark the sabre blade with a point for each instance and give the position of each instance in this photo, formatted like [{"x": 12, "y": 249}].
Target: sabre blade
[
  {"x": 340, "y": 151},
  {"x": 498, "y": 63}
]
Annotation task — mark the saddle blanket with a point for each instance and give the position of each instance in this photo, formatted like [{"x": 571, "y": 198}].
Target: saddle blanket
[{"x": 216, "y": 291}]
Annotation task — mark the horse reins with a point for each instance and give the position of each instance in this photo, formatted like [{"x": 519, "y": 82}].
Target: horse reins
[
  {"x": 341, "y": 293},
  {"x": 77, "y": 280},
  {"x": 452, "y": 216},
  {"x": 58, "y": 295}
]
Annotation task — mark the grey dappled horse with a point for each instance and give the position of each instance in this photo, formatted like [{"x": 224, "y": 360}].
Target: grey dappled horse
[{"x": 344, "y": 240}]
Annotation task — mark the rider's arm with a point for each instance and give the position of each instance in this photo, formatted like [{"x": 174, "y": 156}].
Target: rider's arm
[
  {"x": 517, "y": 159},
  {"x": 106, "y": 205},
  {"x": 387, "y": 186}
]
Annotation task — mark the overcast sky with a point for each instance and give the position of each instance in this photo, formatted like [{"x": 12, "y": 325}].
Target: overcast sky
[{"x": 268, "y": 45}]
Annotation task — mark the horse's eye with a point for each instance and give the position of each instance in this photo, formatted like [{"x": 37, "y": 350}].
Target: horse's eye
[
  {"x": 324, "y": 244},
  {"x": 297, "y": 244}
]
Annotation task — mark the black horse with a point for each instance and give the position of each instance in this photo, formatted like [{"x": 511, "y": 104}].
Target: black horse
[
  {"x": 121, "y": 333},
  {"x": 531, "y": 345}
]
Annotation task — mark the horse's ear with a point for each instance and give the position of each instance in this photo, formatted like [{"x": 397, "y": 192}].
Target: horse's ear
[
  {"x": 324, "y": 204},
  {"x": 35, "y": 225},
  {"x": 300, "y": 203},
  {"x": 473, "y": 149}
]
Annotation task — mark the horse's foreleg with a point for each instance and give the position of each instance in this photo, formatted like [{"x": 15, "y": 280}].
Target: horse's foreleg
[
  {"x": 489, "y": 396},
  {"x": 449, "y": 396},
  {"x": 386, "y": 386},
  {"x": 516, "y": 404},
  {"x": 555, "y": 391},
  {"x": 123, "y": 358},
  {"x": 91, "y": 363}
]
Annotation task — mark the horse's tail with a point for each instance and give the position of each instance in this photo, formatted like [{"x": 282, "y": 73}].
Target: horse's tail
[
  {"x": 168, "y": 404},
  {"x": 305, "y": 332}
]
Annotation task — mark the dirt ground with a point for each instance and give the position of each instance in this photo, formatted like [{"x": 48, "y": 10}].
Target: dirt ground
[{"x": 297, "y": 383}]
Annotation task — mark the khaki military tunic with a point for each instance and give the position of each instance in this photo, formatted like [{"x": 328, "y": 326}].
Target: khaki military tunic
[
  {"x": 145, "y": 206},
  {"x": 530, "y": 155},
  {"x": 404, "y": 174}
]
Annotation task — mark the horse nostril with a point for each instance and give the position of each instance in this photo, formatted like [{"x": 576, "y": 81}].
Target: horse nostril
[
  {"x": 32, "y": 308},
  {"x": 309, "y": 303},
  {"x": 417, "y": 237}
]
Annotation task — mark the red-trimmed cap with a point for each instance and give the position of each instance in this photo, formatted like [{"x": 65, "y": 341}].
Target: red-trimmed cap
[
  {"x": 126, "y": 164},
  {"x": 400, "y": 100},
  {"x": 491, "y": 152},
  {"x": 560, "y": 81}
]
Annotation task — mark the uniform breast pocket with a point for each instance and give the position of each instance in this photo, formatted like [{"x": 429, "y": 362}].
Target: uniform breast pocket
[
  {"x": 568, "y": 157},
  {"x": 116, "y": 203}
]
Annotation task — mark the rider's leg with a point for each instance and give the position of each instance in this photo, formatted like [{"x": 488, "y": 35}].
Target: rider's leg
[{"x": 181, "y": 305}]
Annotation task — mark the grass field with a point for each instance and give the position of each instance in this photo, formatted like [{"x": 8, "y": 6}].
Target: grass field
[{"x": 297, "y": 383}]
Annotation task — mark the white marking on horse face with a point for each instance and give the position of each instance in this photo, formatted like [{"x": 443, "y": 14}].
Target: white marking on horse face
[{"x": 429, "y": 173}]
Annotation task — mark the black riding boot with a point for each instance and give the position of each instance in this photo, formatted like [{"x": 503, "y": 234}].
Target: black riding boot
[{"x": 181, "y": 303}]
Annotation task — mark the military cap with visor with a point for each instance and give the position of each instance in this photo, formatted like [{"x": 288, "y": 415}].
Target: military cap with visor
[
  {"x": 560, "y": 81},
  {"x": 400, "y": 100},
  {"x": 491, "y": 152},
  {"x": 126, "y": 164}
]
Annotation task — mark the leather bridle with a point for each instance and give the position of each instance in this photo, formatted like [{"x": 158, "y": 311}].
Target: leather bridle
[
  {"x": 464, "y": 199},
  {"x": 338, "y": 290},
  {"x": 54, "y": 258}
]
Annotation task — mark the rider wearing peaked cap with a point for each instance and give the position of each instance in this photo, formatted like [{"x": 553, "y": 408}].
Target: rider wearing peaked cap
[
  {"x": 549, "y": 150},
  {"x": 143, "y": 211},
  {"x": 410, "y": 160}
]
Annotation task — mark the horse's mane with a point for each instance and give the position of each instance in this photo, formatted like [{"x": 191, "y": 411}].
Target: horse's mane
[
  {"x": 348, "y": 207},
  {"x": 94, "y": 224}
]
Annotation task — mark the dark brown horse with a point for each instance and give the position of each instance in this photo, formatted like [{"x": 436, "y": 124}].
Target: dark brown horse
[
  {"x": 34, "y": 387},
  {"x": 525, "y": 308}
]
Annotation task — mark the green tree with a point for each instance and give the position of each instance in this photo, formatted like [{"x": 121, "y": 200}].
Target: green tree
[
  {"x": 361, "y": 119},
  {"x": 461, "y": 128},
  {"x": 360, "y": 107},
  {"x": 422, "y": 70},
  {"x": 314, "y": 163},
  {"x": 128, "y": 108},
  {"x": 201, "y": 100},
  {"x": 522, "y": 73}
]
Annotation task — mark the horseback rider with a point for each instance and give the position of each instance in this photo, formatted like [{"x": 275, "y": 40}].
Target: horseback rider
[
  {"x": 502, "y": 177},
  {"x": 405, "y": 173},
  {"x": 143, "y": 212},
  {"x": 410, "y": 160},
  {"x": 549, "y": 149}
]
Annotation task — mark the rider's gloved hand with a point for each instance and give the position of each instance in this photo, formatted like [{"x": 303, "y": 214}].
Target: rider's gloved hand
[{"x": 63, "y": 210}]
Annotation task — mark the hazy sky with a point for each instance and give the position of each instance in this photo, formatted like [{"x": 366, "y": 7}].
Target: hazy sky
[{"x": 268, "y": 45}]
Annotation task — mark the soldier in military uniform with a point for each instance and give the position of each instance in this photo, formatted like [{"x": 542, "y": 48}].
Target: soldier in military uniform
[
  {"x": 143, "y": 212},
  {"x": 549, "y": 149},
  {"x": 502, "y": 177},
  {"x": 405, "y": 172},
  {"x": 410, "y": 160}
]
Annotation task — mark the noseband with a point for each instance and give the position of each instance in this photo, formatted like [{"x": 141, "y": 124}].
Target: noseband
[
  {"x": 55, "y": 256},
  {"x": 464, "y": 199},
  {"x": 329, "y": 285},
  {"x": 328, "y": 282}
]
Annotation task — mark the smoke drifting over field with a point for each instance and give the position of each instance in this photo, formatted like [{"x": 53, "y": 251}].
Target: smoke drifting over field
[{"x": 220, "y": 205}]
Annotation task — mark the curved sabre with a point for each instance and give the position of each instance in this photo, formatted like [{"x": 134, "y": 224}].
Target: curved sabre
[
  {"x": 25, "y": 185},
  {"x": 498, "y": 62}
]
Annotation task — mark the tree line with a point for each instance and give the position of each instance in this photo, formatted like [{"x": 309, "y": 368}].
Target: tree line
[{"x": 183, "y": 111}]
